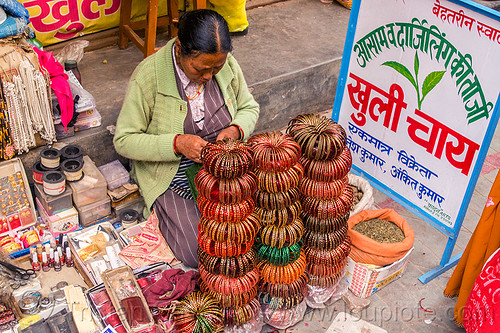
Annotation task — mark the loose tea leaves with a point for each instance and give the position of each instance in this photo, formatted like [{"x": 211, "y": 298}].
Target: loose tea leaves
[
  {"x": 382, "y": 231},
  {"x": 357, "y": 194}
]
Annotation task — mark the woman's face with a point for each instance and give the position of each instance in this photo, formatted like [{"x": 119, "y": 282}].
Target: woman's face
[{"x": 200, "y": 68}]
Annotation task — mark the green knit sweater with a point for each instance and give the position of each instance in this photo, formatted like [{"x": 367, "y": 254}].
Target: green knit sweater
[{"x": 153, "y": 113}]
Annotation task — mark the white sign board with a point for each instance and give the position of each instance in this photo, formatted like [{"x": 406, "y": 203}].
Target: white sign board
[{"x": 417, "y": 96}]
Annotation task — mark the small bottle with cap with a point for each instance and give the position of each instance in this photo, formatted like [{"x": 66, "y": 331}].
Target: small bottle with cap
[
  {"x": 57, "y": 263},
  {"x": 45, "y": 262},
  {"x": 69, "y": 259},
  {"x": 35, "y": 264},
  {"x": 61, "y": 255},
  {"x": 51, "y": 257}
]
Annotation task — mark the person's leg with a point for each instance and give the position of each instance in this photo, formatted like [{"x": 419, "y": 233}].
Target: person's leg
[{"x": 179, "y": 220}]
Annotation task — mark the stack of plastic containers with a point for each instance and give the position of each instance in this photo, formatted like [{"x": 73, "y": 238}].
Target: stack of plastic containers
[
  {"x": 227, "y": 229},
  {"x": 326, "y": 199}
]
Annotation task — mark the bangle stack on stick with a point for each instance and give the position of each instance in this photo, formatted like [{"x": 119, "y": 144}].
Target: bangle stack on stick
[
  {"x": 282, "y": 262},
  {"x": 228, "y": 228},
  {"x": 326, "y": 196}
]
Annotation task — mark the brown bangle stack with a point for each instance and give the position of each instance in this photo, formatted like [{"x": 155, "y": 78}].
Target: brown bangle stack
[
  {"x": 325, "y": 195},
  {"x": 228, "y": 228}
]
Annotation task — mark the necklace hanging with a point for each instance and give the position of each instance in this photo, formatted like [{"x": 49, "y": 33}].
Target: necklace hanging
[{"x": 198, "y": 92}]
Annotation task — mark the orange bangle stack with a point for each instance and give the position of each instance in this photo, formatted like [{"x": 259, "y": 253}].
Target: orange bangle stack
[
  {"x": 282, "y": 263},
  {"x": 228, "y": 228},
  {"x": 326, "y": 196}
]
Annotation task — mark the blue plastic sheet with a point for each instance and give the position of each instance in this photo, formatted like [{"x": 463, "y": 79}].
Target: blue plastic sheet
[{"x": 17, "y": 20}]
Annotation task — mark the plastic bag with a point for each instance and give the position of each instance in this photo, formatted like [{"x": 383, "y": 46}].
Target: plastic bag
[
  {"x": 86, "y": 101},
  {"x": 364, "y": 186},
  {"x": 72, "y": 51},
  {"x": 252, "y": 326},
  {"x": 321, "y": 297},
  {"x": 282, "y": 319}
]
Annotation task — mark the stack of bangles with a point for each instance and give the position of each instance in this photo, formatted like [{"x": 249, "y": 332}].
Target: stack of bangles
[
  {"x": 272, "y": 182},
  {"x": 223, "y": 249},
  {"x": 323, "y": 190},
  {"x": 229, "y": 266},
  {"x": 280, "y": 217},
  {"x": 279, "y": 257},
  {"x": 238, "y": 232},
  {"x": 321, "y": 225},
  {"x": 225, "y": 190},
  {"x": 227, "y": 285},
  {"x": 238, "y": 315},
  {"x": 281, "y": 303},
  {"x": 229, "y": 213},
  {"x": 227, "y": 158},
  {"x": 327, "y": 171},
  {"x": 297, "y": 287},
  {"x": 198, "y": 312},
  {"x": 325, "y": 241},
  {"x": 324, "y": 281},
  {"x": 228, "y": 301},
  {"x": 274, "y": 151},
  {"x": 328, "y": 257},
  {"x": 319, "y": 137},
  {"x": 329, "y": 209},
  {"x": 278, "y": 200},
  {"x": 282, "y": 274},
  {"x": 279, "y": 237}
]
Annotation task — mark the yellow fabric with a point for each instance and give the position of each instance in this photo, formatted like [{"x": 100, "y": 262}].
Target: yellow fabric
[
  {"x": 233, "y": 11},
  {"x": 484, "y": 241}
]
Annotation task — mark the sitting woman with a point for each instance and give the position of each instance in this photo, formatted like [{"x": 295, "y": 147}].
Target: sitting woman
[{"x": 190, "y": 92}]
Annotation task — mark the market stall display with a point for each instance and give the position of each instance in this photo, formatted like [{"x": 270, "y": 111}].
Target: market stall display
[
  {"x": 282, "y": 263},
  {"x": 228, "y": 228},
  {"x": 326, "y": 199}
]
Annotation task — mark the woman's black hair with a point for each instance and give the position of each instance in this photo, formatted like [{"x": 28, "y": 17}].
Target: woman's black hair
[{"x": 203, "y": 31}]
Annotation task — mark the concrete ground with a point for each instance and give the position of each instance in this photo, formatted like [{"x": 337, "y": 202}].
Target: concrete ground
[{"x": 291, "y": 59}]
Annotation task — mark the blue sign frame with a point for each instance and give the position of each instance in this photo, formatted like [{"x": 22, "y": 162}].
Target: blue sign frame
[{"x": 447, "y": 261}]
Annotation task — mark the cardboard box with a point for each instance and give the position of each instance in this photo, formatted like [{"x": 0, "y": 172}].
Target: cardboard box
[
  {"x": 61, "y": 223},
  {"x": 364, "y": 281}
]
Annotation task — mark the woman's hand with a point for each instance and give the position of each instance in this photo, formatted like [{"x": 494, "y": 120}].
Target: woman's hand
[
  {"x": 229, "y": 132},
  {"x": 190, "y": 146}
]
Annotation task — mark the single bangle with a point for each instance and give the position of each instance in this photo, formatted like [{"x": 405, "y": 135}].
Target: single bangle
[
  {"x": 175, "y": 145},
  {"x": 328, "y": 170},
  {"x": 328, "y": 257},
  {"x": 319, "y": 137},
  {"x": 198, "y": 312},
  {"x": 280, "y": 217},
  {"x": 274, "y": 151},
  {"x": 324, "y": 281},
  {"x": 278, "y": 200},
  {"x": 279, "y": 257},
  {"x": 282, "y": 274},
  {"x": 238, "y": 232},
  {"x": 228, "y": 213},
  {"x": 225, "y": 190},
  {"x": 222, "y": 249},
  {"x": 325, "y": 241},
  {"x": 281, "y": 303},
  {"x": 273, "y": 182},
  {"x": 229, "y": 266},
  {"x": 329, "y": 209},
  {"x": 240, "y": 130},
  {"x": 227, "y": 158},
  {"x": 322, "y": 225},
  {"x": 297, "y": 287},
  {"x": 228, "y": 301},
  {"x": 323, "y": 190},
  {"x": 239, "y": 315},
  {"x": 284, "y": 236},
  {"x": 227, "y": 285}
]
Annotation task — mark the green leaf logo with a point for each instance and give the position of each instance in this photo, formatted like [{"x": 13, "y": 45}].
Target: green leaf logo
[{"x": 430, "y": 80}]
